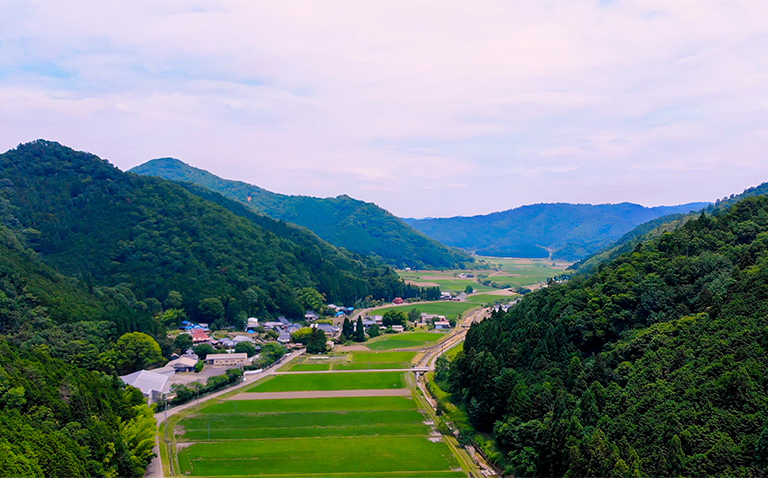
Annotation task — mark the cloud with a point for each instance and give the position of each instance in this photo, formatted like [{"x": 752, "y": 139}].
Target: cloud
[{"x": 426, "y": 108}]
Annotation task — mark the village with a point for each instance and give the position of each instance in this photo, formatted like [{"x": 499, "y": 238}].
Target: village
[{"x": 260, "y": 343}]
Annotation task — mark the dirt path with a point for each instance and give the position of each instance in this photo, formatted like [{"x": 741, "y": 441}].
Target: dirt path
[{"x": 397, "y": 392}]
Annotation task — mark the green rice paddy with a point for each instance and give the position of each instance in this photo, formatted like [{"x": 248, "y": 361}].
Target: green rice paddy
[
  {"x": 352, "y": 437},
  {"x": 370, "y": 437},
  {"x": 300, "y": 382},
  {"x": 297, "y": 456},
  {"x": 353, "y": 361},
  {"x": 404, "y": 340},
  {"x": 310, "y": 405}
]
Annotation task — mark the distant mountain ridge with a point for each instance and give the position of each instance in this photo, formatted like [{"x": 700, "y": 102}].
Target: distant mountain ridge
[
  {"x": 656, "y": 227},
  {"x": 88, "y": 219},
  {"x": 343, "y": 221},
  {"x": 560, "y": 230}
]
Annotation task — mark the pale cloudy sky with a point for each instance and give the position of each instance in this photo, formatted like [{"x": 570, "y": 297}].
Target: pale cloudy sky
[{"x": 427, "y": 108}]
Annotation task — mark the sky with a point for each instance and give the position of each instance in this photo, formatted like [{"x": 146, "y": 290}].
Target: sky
[{"x": 426, "y": 108}]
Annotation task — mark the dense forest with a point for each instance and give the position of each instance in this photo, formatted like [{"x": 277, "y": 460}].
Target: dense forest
[
  {"x": 58, "y": 420},
  {"x": 60, "y": 415},
  {"x": 358, "y": 226},
  {"x": 564, "y": 231},
  {"x": 654, "y": 365},
  {"x": 656, "y": 227},
  {"x": 147, "y": 237}
]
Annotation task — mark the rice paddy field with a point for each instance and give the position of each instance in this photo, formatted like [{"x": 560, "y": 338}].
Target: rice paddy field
[
  {"x": 404, "y": 340},
  {"x": 352, "y": 437},
  {"x": 446, "y": 308},
  {"x": 519, "y": 272},
  {"x": 352, "y": 361},
  {"x": 512, "y": 271},
  {"x": 300, "y": 382},
  {"x": 446, "y": 280}
]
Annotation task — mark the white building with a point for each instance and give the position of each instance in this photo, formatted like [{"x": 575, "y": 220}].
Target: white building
[
  {"x": 152, "y": 385},
  {"x": 218, "y": 360}
]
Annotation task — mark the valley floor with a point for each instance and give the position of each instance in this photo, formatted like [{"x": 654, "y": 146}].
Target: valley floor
[{"x": 308, "y": 420}]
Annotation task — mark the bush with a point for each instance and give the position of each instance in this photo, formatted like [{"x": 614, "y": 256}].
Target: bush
[{"x": 245, "y": 347}]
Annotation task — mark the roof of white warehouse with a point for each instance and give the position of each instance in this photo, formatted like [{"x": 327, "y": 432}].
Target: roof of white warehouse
[{"x": 147, "y": 381}]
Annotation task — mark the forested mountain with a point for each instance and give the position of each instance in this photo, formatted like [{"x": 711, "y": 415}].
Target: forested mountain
[
  {"x": 343, "y": 221},
  {"x": 151, "y": 236},
  {"x": 654, "y": 365},
  {"x": 58, "y": 420},
  {"x": 567, "y": 231},
  {"x": 658, "y": 226}
]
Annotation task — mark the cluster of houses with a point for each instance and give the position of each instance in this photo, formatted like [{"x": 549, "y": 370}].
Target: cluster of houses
[
  {"x": 338, "y": 310},
  {"x": 377, "y": 321},
  {"x": 156, "y": 383},
  {"x": 439, "y": 321},
  {"x": 505, "y": 307},
  {"x": 285, "y": 328}
]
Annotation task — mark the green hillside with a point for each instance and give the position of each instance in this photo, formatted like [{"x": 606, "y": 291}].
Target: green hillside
[
  {"x": 343, "y": 221},
  {"x": 656, "y": 227},
  {"x": 655, "y": 365},
  {"x": 89, "y": 220},
  {"x": 566, "y": 231},
  {"x": 57, "y": 420}
]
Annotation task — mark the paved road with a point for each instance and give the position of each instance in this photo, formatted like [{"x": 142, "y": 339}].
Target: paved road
[{"x": 155, "y": 468}]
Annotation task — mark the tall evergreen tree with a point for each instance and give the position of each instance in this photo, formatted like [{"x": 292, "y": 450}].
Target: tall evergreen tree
[
  {"x": 317, "y": 342},
  {"x": 359, "y": 331},
  {"x": 347, "y": 330}
]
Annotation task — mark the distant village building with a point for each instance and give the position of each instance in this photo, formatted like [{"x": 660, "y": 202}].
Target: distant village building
[
  {"x": 311, "y": 316},
  {"x": 445, "y": 295},
  {"x": 398, "y": 328},
  {"x": 199, "y": 336},
  {"x": 219, "y": 360},
  {"x": 431, "y": 317},
  {"x": 251, "y": 324},
  {"x": 442, "y": 325},
  {"x": 152, "y": 385},
  {"x": 182, "y": 364},
  {"x": 329, "y": 329},
  {"x": 291, "y": 329}
]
